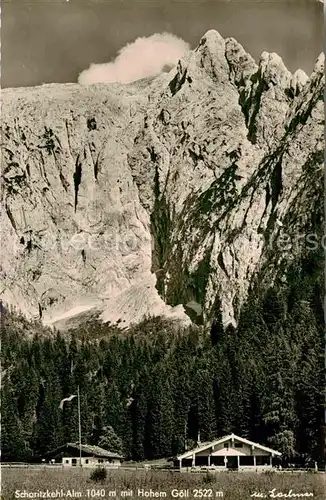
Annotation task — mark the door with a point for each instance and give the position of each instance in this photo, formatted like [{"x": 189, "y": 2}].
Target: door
[
  {"x": 74, "y": 461},
  {"x": 232, "y": 462}
]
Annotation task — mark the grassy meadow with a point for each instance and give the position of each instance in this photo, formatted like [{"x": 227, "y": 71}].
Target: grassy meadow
[{"x": 74, "y": 483}]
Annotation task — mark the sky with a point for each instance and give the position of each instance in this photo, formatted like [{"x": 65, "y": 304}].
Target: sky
[{"x": 45, "y": 41}]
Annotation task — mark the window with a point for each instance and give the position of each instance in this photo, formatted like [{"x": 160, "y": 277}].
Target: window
[
  {"x": 66, "y": 461},
  {"x": 262, "y": 460},
  {"x": 86, "y": 461},
  {"x": 238, "y": 445},
  {"x": 227, "y": 446},
  {"x": 249, "y": 460},
  {"x": 100, "y": 460},
  {"x": 218, "y": 461}
]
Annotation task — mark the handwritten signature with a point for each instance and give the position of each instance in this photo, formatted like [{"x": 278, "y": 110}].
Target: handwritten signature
[{"x": 280, "y": 494}]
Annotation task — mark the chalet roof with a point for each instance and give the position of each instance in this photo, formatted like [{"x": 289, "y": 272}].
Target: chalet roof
[
  {"x": 208, "y": 444},
  {"x": 95, "y": 451}
]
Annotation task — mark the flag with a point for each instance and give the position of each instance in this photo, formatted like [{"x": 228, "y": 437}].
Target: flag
[{"x": 67, "y": 399}]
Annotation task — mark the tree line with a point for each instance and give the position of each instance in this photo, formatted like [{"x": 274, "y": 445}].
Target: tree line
[{"x": 149, "y": 392}]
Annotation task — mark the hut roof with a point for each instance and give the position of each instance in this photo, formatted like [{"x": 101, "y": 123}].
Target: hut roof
[{"x": 95, "y": 451}]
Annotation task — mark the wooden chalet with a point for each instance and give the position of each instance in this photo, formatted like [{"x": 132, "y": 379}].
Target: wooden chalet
[
  {"x": 91, "y": 456},
  {"x": 229, "y": 452}
]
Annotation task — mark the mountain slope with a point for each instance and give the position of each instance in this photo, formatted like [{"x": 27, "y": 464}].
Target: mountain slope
[{"x": 117, "y": 197}]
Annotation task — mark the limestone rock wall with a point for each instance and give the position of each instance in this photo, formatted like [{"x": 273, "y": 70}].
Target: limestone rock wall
[{"x": 141, "y": 198}]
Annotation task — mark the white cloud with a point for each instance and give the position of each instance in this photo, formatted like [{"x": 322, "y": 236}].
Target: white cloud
[{"x": 145, "y": 57}]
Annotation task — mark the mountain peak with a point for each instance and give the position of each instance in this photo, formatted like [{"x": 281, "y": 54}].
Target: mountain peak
[
  {"x": 274, "y": 71},
  {"x": 126, "y": 198},
  {"x": 320, "y": 63},
  {"x": 212, "y": 39}
]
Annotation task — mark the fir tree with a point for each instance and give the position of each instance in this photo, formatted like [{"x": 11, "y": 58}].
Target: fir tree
[
  {"x": 181, "y": 410},
  {"x": 206, "y": 406},
  {"x": 49, "y": 432},
  {"x": 12, "y": 443},
  {"x": 113, "y": 406},
  {"x": 159, "y": 432},
  {"x": 110, "y": 441},
  {"x": 138, "y": 409}
]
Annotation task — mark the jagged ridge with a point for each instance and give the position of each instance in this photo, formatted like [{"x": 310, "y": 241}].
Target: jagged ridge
[{"x": 182, "y": 184}]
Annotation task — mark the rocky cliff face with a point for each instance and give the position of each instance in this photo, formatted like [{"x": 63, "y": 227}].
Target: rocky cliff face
[{"x": 141, "y": 199}]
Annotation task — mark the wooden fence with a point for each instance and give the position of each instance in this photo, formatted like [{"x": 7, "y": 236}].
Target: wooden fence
[{"x": 148, "y": 467}]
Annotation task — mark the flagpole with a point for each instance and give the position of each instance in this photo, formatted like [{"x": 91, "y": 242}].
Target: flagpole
[{"x": 79, "y": 428}]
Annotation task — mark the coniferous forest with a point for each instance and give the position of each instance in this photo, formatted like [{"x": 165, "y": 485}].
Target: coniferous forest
[{"x": 148, "y": 392}]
